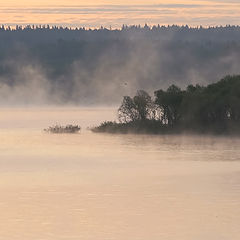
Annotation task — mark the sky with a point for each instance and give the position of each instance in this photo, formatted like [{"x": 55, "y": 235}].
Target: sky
[{"x": 79, "y": 13}]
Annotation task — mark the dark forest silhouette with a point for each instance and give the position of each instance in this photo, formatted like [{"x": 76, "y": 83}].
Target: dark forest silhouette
[
  {"x": 98, "y": 66},
  {"x": 214, "y": 108},
  {"x": 47, "y": 33}
]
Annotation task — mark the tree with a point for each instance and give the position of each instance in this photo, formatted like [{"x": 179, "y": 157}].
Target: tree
[
  {"x": 170, "y": 104},
  {"x": 127, "y": 111},
  {"x": 138, "y": 108}
]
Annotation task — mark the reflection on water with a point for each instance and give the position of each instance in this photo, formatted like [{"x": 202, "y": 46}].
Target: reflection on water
[{"x": 123, "y": 187}]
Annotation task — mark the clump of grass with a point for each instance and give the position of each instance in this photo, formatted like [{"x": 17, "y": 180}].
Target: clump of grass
[{"x": 63, "y": 129}]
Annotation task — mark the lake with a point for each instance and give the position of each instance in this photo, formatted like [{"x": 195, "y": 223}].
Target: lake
[{"x": 92, "y": 186}]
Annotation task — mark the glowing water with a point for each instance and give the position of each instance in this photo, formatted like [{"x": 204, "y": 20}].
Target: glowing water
[{"x": 99, "y": 186}]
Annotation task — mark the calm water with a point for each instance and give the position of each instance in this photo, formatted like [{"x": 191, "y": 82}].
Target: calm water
[{"x": 121, "y": 187}]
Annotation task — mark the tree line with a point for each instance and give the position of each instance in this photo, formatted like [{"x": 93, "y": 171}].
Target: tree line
[
  {"x": 212, "y": 108},
  {"x": 31, "y": 34},
  {"x": 76, "y": 66}
]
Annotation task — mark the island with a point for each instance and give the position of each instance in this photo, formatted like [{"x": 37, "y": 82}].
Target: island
[
  {"x": 63, "y": 129},
  {"x": 214, "y": 108}
]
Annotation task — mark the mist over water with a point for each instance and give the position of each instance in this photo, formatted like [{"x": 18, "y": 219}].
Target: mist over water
[
  {"x": 43, "y": 66},
  {"x": 92, "y": 186},
  {"x": 102, "y": 186}
]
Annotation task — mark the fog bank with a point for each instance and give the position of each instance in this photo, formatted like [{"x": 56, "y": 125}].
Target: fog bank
[{"x": 40, "y": 66}]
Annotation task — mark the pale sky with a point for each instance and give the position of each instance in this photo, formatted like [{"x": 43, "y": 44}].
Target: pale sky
[{"x": 115, "y": 13}]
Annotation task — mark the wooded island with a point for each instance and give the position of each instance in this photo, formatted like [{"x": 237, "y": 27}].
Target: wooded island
[{"x": 202, "y": 109}]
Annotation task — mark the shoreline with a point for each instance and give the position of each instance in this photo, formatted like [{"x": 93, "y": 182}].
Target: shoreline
[{"x": 153, "y": 128}]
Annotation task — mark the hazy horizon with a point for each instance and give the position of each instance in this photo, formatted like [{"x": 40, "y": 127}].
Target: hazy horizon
[{"x": 77, "y": 13}]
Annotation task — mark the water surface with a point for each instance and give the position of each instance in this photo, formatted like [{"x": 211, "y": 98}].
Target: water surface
[{"x": 92, "y": 186}]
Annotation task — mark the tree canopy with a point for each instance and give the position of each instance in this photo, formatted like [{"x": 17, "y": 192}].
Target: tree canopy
[
  {"x": 212, "y": 108},
  {"x": 137, "y": 108}
]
